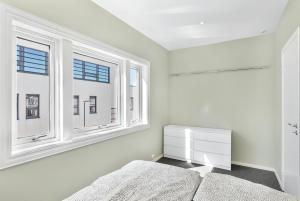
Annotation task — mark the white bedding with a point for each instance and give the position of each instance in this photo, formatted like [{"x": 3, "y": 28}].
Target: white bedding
[
  {"x": 219, "y": 187},
  {"x": 142, "y": 181}
]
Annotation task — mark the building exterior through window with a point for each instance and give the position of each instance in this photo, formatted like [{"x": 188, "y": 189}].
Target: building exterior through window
[{"x": 33, "y": 89}]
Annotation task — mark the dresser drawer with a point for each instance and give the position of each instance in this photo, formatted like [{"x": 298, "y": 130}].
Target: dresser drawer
[
  {"x": 212, "y": 159},
  {"x": 212, "y": 147},
  {"x": 175, "y": 132},
  {"x": 213, "y": 137},
  {"x": 177, "y": 141},
  {"x": 178, "y": 152}
]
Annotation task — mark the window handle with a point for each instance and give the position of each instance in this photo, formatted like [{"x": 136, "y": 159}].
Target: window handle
[
  {"x": 293, "y": 125},
  {"x": 38, "y": 137}
]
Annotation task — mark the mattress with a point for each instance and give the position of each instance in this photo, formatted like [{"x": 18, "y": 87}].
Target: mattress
[
  {"x": 142, "y": 181},
  {"x": 219, "y": 187}
]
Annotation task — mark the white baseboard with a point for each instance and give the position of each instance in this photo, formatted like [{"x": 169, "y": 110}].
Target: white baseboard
[
  {"x": 261, "y": 168},
  {"x": 253, "y": 166},
  {"x": 156, "y": 158}
]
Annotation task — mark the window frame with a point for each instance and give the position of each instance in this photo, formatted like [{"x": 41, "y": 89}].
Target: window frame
[
  {"x": 93, "y": 53},
  {"x": 23, "y": 31},
  {"x": 64, "y": 41}
]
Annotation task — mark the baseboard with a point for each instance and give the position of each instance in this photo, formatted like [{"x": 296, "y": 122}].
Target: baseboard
[
  {"x": 261, "y": 168},
  {"x": 156, "y": 158},
  {"x": 253, "y": 166}
]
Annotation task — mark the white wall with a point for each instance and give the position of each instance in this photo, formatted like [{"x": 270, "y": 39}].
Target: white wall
[
  {"x": 242, "y": 101},
  {"x": 105, "y": 101}
]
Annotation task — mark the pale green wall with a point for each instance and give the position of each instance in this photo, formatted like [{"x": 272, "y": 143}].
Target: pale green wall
[
  {"x": 290, "y": 20},
  {"x": 248, "y": 102},
  {"x": 242, "y": 101},
  {"x": 54, "y": 178}
]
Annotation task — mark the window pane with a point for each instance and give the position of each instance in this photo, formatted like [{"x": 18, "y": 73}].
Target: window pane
[
  {"x": 33, "y": 90},
  {"x": 97, "y": 82},
  {"x": 134, "y": 95}
]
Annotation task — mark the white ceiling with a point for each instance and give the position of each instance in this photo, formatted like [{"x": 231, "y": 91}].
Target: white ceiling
[{"x": 177, "y": 24}]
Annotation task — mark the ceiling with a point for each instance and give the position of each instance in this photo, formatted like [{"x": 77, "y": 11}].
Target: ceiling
[{"x": 176, "y": 24}]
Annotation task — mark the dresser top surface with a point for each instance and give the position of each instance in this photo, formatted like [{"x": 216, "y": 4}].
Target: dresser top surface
[{"x": 199, "y": 129}]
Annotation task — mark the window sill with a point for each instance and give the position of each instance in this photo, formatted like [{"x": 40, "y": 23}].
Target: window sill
[{"x": 45, "y": 150}]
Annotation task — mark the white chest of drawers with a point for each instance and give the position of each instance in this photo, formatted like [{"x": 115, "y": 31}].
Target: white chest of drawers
[{"x": 205, "y": 146}]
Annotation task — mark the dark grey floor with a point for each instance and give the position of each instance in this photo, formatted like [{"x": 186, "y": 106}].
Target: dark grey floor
[{"x": 264, "y": 177}]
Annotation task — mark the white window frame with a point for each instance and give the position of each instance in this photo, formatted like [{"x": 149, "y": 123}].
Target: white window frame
[
  {"x": 140, "y": 98},
  {"x": 89, "y": 52},
  {"x": 65, "y": 137},
  {"x": 53, "y": 73}
]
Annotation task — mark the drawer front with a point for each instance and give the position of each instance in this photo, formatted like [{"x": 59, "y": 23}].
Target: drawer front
[
  {"x": 177, "y": 152},
  {"x": 212, "y": 147},
  {"x": 175, "y": 133},
  {"x": 213, "y": 137},
  {"x": 212, "y": 159},
  {"x": 176, "y": 141}
]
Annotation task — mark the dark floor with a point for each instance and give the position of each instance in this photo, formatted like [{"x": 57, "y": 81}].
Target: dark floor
[{"x": 264, "y": 177}]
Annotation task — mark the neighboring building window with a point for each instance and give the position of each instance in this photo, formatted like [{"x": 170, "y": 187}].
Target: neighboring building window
[
  {"x": 18, "y": 106},
  {"x": 131, "y": 104},
  {"x": 93, "y": 104},
  {"x": 113, "y": 113},
  {"x": 31, "y": 60},
  {"x": 76, "y": 105},
  {"x": 32, "y": 106},
  {"x": 85, "y": 70}
]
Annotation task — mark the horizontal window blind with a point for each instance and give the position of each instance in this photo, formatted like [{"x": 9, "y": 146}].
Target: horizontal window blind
[
  {"x": 31, "y": 60},
  {"x": 85, "y": 70}
]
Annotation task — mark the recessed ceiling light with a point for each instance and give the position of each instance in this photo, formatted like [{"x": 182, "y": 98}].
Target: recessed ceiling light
[{"x": 202, "y": 22}]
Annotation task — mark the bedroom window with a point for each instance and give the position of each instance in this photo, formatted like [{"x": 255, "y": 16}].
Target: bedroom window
[
  {"x": 35, "y": 88},
  {"x": 135, "y": 95},
  {"x": 97, "y": 74},
  {"x": 65, "y": 90}
]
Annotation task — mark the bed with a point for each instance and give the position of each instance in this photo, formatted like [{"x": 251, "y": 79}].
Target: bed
[
  {"x": 142, "y": 181},
  {"x": 150, "y": 181}
]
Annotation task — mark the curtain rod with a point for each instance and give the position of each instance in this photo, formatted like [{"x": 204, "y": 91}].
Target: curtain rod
[{"x": 220, "y": 70}]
